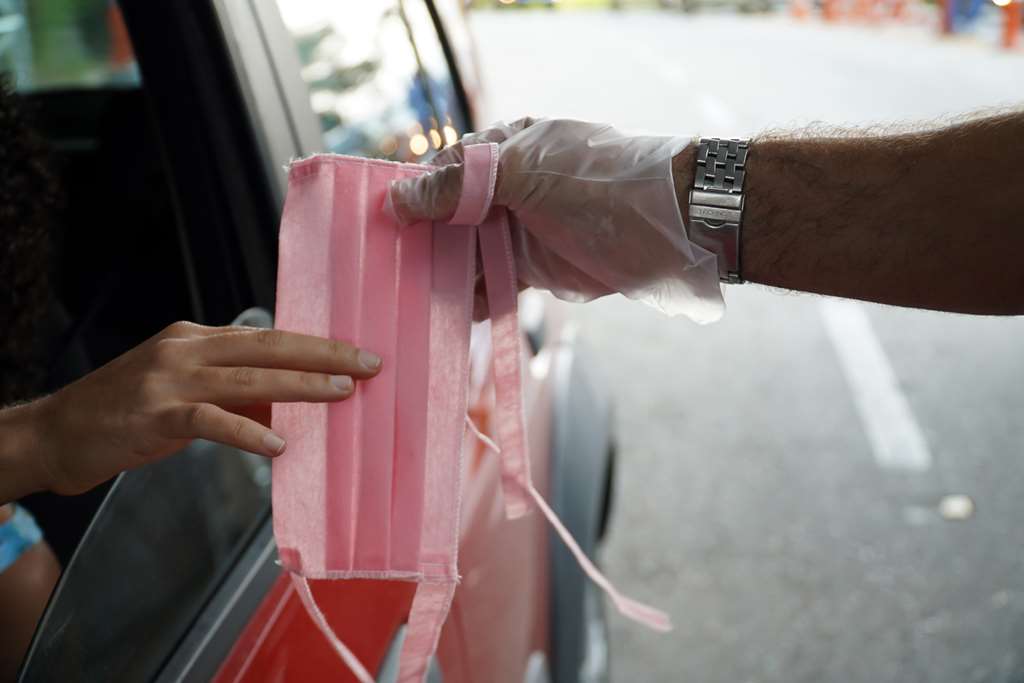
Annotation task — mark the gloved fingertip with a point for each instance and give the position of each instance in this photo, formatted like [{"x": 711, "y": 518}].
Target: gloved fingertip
[
  {"x": 432, "y": 196},
  {"x": 389, "y": 204},
  {"x": 397, "y": 203}
]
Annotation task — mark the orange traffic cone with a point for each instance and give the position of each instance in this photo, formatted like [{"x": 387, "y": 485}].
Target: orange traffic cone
[
  {"x": 830, "y": 10},
  {"x": 946, "y": 25},
  {"x": 799, "y": 9},
  {"x": 1011, "y": 24},
  {"x": 121, "y": 54}
]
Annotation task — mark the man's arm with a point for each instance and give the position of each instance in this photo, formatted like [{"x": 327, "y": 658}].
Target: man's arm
[{"x": 930, "y": 220}]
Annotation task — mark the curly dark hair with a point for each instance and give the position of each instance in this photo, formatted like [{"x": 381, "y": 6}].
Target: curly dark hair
[{"x": 29, "y": 199}]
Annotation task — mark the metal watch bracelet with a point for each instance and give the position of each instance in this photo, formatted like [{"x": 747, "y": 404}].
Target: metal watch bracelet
[{"x": 716, "y": 202}]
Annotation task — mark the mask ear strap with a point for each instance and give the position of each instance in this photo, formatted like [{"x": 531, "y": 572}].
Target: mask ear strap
[
  {"x": 480, "y": 174},
  {"x": 454, "y": 263},
  {"x": 507, "y": 358},
  {"x": 427, "y": 616},
  {"x": 628, "y": 607},
  {"x": 347, "y": 656},
  {"x": 506, "y": 348}
]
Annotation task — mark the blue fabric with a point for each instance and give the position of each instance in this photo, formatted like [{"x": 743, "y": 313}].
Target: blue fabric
[{"x": 17, "y": 535}]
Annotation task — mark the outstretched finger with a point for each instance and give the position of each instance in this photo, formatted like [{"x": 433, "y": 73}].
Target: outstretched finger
[
  {"x": 262, "y": 348},
  {"x": 244, "y": 385},
  {"x": 210, "y": 422}
]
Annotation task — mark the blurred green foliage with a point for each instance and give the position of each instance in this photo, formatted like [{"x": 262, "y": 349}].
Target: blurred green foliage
[
  {"x": 70, "y": 40},
  {"x": 58, "y": 42}
]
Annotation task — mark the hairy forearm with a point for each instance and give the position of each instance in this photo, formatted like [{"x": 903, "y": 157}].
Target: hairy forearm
[{"x": 930, "y": 219}]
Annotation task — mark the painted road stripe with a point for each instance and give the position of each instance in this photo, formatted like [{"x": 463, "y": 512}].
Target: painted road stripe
[{"x": 894, "y": 433}]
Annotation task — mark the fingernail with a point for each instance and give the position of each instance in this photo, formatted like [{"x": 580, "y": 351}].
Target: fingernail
[
  {"x": 342, "y": 383},
  {"x": 273, "y": 443},
  {"x": 370, "y": 361}
]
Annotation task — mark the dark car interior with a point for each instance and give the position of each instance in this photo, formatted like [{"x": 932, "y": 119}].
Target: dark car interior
[
  {"x": 119, "y": 249},
  {"x": 126, "y": 269},
  {"x": 167, "y": 215}
]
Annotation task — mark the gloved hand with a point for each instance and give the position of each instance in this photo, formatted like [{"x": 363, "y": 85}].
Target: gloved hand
[{"x": 593, "y": 211}]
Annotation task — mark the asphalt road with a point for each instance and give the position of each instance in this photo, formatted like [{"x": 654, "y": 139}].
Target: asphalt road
[{"x": 782, "y": 471}]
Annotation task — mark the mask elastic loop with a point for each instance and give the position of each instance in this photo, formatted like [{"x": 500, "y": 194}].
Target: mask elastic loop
[
  {"x": 499, "y": 267},
  {"x": 347, "y": 656},
  {"x": 480, "y": 171},
  {"x": 637, "y": 611}
]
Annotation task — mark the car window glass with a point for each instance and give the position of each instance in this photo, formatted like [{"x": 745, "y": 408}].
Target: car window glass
[
  {"x": 437, "y": 72},
  {"x": 161, "y": 544},
  {"x": 375, "y": 91},
  {"x": 65, "y": 44},
  {"x": 168, "y": 533}
]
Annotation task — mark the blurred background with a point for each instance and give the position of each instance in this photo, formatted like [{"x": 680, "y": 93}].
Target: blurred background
[{"x": 816, "y": 491}]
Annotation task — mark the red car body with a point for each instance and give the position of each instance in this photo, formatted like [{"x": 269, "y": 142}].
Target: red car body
[{"x": 499, "y": 616}]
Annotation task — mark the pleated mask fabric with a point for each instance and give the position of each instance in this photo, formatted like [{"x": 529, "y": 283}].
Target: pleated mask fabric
[{"x": 370, "y": 487}]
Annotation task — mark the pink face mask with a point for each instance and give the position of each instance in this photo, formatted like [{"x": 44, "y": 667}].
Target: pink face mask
[{"x": 370, "y": 487}]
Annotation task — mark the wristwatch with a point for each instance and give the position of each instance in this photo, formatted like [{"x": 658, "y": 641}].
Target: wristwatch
[{"x": 716, "y": 202}]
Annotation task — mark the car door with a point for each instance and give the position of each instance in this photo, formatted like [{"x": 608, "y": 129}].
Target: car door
[
  {"x": 380, "y": 82},
  {"x": 169, "y": 216}
]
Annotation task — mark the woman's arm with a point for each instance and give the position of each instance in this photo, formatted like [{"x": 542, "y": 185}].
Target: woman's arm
[
  {"x": 185, "y": 383},
  {"x": 20, "y": 464}
]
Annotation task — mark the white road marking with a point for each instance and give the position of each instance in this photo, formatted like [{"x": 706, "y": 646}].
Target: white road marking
[{"x": 895, "y": 436}]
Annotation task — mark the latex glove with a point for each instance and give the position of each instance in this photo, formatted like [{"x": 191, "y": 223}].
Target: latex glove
[{"x": 594, "y": 211}]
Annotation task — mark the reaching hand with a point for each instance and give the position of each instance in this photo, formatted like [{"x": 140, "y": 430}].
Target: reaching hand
[{"x": 185, "y": 383}]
